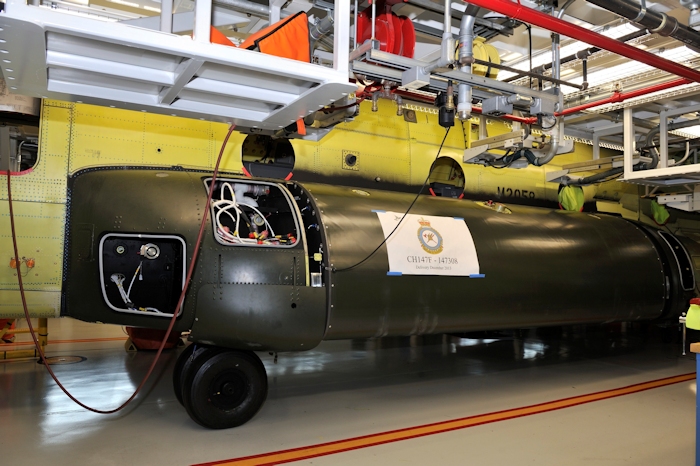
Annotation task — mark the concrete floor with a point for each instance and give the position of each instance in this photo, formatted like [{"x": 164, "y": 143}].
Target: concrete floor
[{"x": 358, "y": 388}]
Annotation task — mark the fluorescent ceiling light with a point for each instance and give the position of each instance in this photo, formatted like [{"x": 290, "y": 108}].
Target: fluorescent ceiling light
[
  {"x": 569, "y": 49},
  {"x": 692, "y": 131},
  {"x": 632, "y": 68},
  {"x": 124, "y": 2},
  {"x": 459, "y": 6},
  {"x": 151, "y": 8},
  {"x": 567, "y": 72},
  {"x": 511, "y": 56}
]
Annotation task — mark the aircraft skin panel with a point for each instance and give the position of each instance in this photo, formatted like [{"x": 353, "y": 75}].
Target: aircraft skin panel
[
  {"x": 540, "y": 266},
  {"x": 380, "y": 157},
  {"x": 384, "y": 121},
  {"x": 42, "y": 304},
  {"x": 39, "y": 204},
  {"x": 509, "y": 186},
  {"x": 104, "y": 136},
  {"x": 40, "y": 242}
]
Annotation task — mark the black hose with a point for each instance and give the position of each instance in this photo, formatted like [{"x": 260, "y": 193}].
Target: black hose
[
  {"x": 597, "y": 178},
  {"x": 655, "y": 22}
]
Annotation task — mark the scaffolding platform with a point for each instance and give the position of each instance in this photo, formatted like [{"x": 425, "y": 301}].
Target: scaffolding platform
[{"x": 55, "y": 54}]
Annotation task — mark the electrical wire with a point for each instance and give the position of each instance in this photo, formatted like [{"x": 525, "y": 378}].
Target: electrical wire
[
  {"x": 188, "y": 279},
  {"x": 224, "y": 206},
  {"x": 529, "y": 48},
  {"x": 425, "y": 183},
  {"x": 506, "y": 161},
  {"x": 547, "y": 128},
  {"x": 128, "y": 293}
]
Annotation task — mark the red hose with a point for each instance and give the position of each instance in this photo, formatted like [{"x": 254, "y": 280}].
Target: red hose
[{"x": 190, "y": 270}]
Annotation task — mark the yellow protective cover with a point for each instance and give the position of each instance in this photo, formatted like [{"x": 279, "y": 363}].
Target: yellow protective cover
[
  {"x": 692, "y": 319},
  {"x": 571, "y": 198},
  {"x": 660, "y": 213}
]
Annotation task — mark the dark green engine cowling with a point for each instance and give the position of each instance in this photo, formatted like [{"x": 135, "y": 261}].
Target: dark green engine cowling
[{"x": 131, "y": 232}]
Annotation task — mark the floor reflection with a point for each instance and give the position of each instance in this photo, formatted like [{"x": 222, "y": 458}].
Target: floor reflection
[
  {"x": 395, "y": 360},
  {"x": 339, "y": 389}
]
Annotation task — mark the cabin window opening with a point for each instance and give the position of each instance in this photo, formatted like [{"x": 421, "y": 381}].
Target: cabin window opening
[
  {"x": 19, "y": 146},
  {"x": 265, "y": 157},
  {"x": 247, "y": 213},
  {"x": 446, "y": 178}
]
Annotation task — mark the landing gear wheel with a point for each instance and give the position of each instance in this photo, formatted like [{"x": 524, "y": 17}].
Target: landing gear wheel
[
  {"x": 225, "y": 390},
  {"x": 185, "y": 361}
]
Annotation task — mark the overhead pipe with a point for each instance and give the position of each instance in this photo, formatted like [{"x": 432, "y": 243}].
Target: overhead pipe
[
  {"x": 603, "y": 176},
  {"x": 583, "y": 54},
  {"x": 521, "y": 13},
  {"x": 466, "y": 58},
  {"x": 672, "y": 126},
  {"x": 447, "y": 49},
  {"x": 321, "y": 28},
  {"x": 246, "y": 6},
  {"x": 556, "y": 130},
  {"x": 521, "y": 73},
  {"x": 321, "y": 32},
  {"x": 617, "y": 96},
  {"x": 655, "y": 22},
  {"x": 652, "y": 134}
]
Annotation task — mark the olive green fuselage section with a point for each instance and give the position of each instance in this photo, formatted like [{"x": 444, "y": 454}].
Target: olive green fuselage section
[{"x": 538, "y": 267}]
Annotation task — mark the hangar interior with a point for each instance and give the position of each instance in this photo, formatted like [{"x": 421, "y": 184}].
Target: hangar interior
[{"x": 349, "y": 232}]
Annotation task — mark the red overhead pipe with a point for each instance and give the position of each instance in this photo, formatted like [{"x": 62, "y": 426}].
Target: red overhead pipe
[
  {"x": 620, "y": 96},
  {"x": 519, "y": 119},
  {"x": 528, "y": 15}
]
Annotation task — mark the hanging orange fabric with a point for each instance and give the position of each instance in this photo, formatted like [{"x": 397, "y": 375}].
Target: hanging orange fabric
[
  {"x": 288, "y": 38},
  {"x": 217, "y": 37}
]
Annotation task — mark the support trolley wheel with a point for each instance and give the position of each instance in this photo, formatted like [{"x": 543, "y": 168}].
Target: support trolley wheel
[{"x": 225, "y": 388}]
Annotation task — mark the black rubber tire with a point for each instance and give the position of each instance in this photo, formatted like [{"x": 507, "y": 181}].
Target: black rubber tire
[
  {"x": 185, "y": 361},
  {"x": 177, "y": 371},
  {"x": 225, "y": 389}
]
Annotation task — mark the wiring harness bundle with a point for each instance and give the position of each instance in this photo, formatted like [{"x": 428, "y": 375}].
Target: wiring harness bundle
[
  {"x": 236, "y": 206},
  {"x": 119, "y": 279}
]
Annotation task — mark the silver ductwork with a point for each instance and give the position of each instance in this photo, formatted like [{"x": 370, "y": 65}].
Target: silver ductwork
[{"x": 466, "y": 58}]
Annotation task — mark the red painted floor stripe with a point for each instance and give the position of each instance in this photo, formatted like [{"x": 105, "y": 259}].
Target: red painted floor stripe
[{"x": 323, "y": 449}]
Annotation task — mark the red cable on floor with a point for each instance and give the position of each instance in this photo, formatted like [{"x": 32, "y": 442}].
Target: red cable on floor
[{"x": 175, "y": 312}]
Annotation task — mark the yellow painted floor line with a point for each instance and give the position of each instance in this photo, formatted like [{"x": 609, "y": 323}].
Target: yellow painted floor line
[{"x": 330, "y": 448}]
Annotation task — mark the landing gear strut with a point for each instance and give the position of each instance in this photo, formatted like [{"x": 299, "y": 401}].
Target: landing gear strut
[{"x": 220, "y": 388}]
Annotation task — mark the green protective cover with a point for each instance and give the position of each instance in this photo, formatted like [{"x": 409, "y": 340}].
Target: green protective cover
[
  {"x": 660, "y": 213},
  {"x": 571, "y": 198}
]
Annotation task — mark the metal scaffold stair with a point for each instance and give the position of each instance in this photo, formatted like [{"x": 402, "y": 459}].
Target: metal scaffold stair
[{"x": 54, "y": 54}]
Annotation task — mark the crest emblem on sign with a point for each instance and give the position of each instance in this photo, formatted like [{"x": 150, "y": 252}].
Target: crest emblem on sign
[{"x": 430, "y": 239}]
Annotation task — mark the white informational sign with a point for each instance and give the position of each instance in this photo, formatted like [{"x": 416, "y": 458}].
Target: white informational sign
[{"x": 429, "y": 245}]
